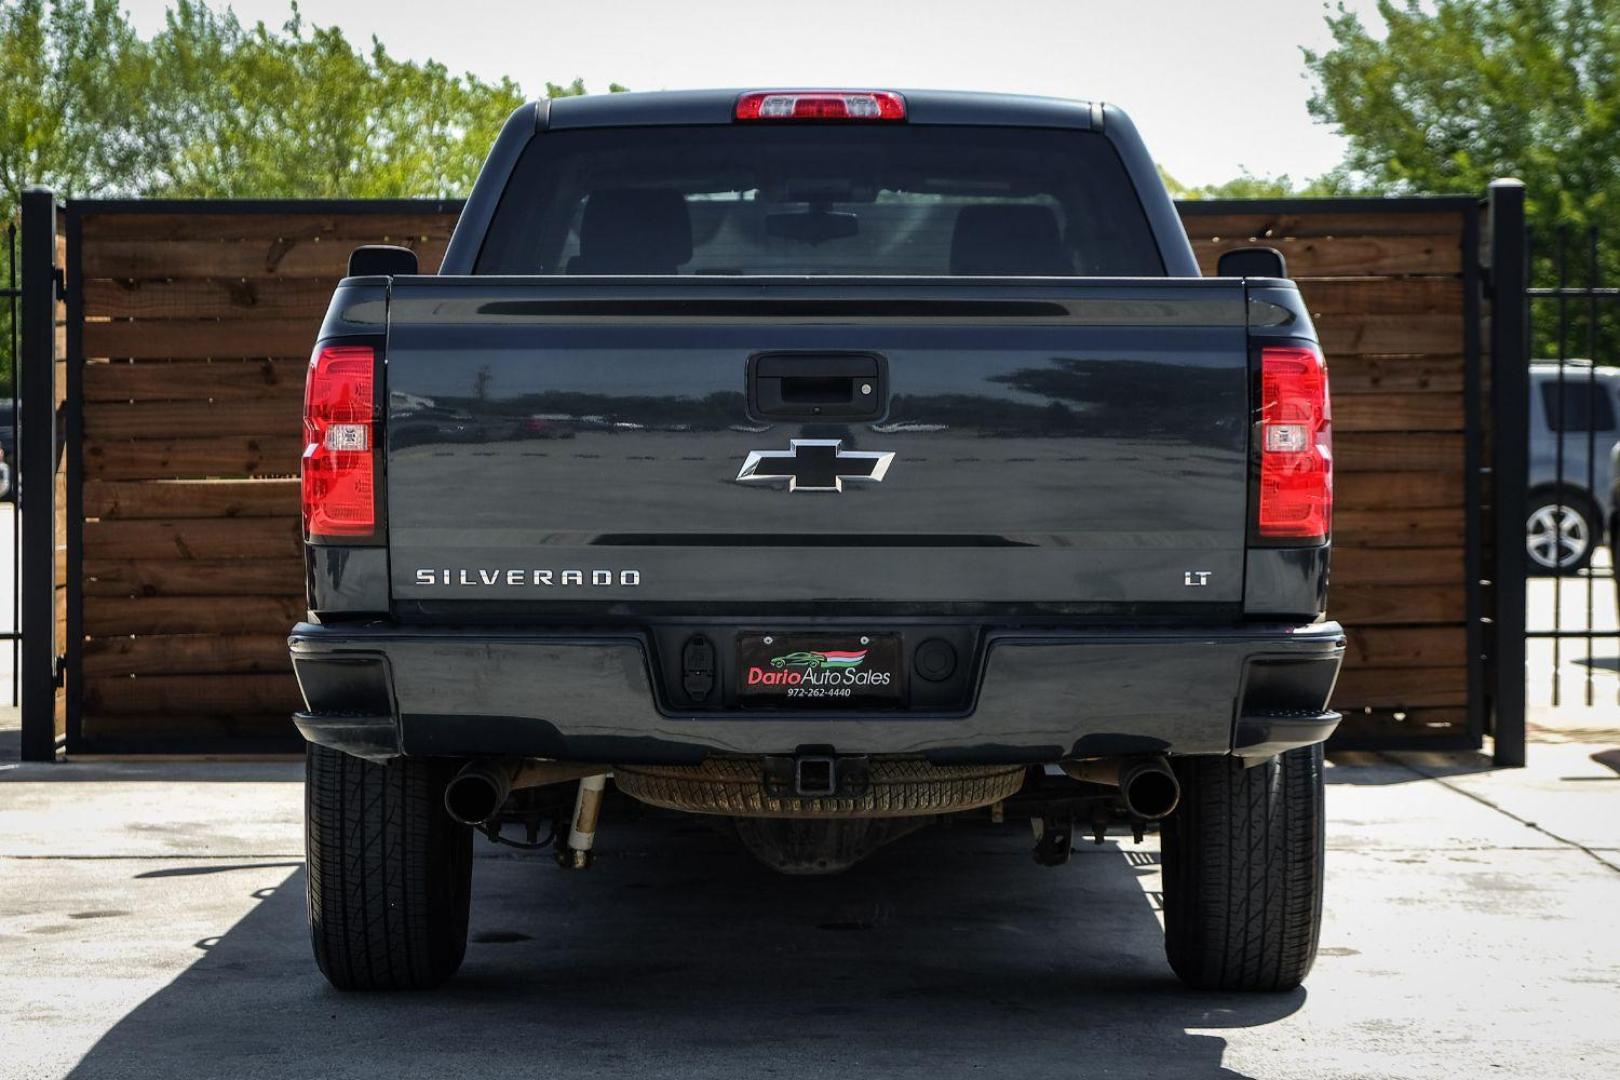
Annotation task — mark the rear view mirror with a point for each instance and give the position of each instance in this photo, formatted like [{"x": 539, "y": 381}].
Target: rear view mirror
[
  {"x": 1252, "y": 262},
  {"x": 381, "y": 260}
]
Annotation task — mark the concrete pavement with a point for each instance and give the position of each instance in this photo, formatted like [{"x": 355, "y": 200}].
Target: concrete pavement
[
  {"x": 1574, "y": 672},
  {"x": 152, "y": 925}
]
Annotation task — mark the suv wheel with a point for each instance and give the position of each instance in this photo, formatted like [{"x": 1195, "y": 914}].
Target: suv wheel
[
  {"x": 390, "y": 874},
  {"x": 1243, "y": 872},
  {"x": 1560, "y": 534}
]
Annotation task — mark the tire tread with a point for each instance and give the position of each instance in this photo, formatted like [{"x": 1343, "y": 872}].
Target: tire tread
[
  {"x": 389, "y": 873},
  {"x": 1243, "y": 872}
]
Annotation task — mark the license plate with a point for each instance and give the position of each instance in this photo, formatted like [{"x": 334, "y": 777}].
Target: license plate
[{"x": 819, "y": 670}]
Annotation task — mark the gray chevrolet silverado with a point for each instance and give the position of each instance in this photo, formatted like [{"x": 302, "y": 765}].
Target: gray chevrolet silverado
[{"x": 826, "y": 463}]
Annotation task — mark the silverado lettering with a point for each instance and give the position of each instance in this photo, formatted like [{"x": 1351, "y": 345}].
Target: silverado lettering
[{"x": 449, "y": 576}]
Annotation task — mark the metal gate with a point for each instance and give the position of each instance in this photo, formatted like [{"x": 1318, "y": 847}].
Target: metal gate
[
  {"x": 1573, "y": 418},
  {"x": 10, "y": 637},
  {"x": 37, "y": 317}
]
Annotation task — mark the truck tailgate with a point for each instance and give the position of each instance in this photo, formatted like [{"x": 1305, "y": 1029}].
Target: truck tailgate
[{"x": 1048, "y": 446}]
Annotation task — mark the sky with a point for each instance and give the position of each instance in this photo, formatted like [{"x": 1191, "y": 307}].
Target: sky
[{"x": 1215, "y": 86}]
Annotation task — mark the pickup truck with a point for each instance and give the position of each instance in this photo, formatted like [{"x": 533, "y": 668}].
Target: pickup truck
[{"x": 827, "y": 463}]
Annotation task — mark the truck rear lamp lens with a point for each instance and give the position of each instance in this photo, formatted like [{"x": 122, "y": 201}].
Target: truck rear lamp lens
[
  {"x": 340, "y": 383},
  {"x": 1296, "y": 456},
  {"x": 859, "y": 105},
  {"x": 338, "y": 470}
]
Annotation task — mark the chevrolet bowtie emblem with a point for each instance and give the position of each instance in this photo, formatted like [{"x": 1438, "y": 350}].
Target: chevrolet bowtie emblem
[{"x": 816, "y": 465}]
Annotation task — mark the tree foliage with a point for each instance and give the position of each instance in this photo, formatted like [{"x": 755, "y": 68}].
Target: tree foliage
[
  {"x": 1247, "y": 185},
  {"x": 210, "y": 107},
  {"x": 1456, "y": 93}
]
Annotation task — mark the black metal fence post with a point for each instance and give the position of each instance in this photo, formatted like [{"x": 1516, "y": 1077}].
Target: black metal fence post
[
  {"x": 36, "y": 486},
  {"x": 1510, "y": 461}
]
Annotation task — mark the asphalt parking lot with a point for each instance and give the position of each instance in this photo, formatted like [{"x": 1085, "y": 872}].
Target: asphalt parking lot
[{"x": 152, "y": 925}]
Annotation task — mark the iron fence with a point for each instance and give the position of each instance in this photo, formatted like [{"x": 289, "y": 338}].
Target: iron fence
[
  {"x": 10, "y": 294},
  {"x": 1573, "y": 637}
]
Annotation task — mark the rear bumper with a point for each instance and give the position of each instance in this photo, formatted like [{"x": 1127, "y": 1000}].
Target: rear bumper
[{"x": 1042, "y": 694}]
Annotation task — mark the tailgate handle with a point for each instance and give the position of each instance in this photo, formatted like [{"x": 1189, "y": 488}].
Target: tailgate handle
[{"x": 813, "y": 386}]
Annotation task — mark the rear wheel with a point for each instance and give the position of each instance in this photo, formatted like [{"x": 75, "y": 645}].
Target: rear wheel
[
  {"x": 390, "y": 874},
  {"x": 1560, "y": 533},
  {"x": 1243, "y": 872}
]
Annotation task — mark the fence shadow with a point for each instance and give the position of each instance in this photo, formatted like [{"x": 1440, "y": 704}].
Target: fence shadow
[
  {"x": 949, "y": 953},
  {"x": 1380, "y": 768}
]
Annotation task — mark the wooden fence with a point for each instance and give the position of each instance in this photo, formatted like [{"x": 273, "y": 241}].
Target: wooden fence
[{"x": 191, "y": 324}]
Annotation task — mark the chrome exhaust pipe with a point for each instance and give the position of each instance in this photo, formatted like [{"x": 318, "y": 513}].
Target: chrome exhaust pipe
[
  {"x": 478, "y": 791},
  {"x": 1147, "y": 786}
]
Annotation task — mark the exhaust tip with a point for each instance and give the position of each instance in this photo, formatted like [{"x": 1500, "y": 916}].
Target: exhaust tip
[
  {"x": 1150, "y": 790},
  {"x": 475, "y": 794}
]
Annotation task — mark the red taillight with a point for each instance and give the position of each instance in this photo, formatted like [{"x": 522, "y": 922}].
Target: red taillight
[
  {"x": 1296, "y": 445},
  {"x": 339, "y": 466},
  {"x": 821, "y": 105}
]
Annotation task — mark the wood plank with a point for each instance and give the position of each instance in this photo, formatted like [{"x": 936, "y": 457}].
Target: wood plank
[
  {"x": 1400, "y": 566},
  {"x": 1401, "y": 687},
  {"x": 1407, "y": 726},
  {"x": 1369, "y": 605},
  {"x": 1353, "y": 374},
  {"x": 1402, "y": 646},
  {"x": 1398, "y": 412},
  {"x": 279, "y": 415},
  {"x": 1350, "y": 256},
  {"x": 1356, "y": 451},
  {"x": 111, "y": 616},
  {"x": 358, "y": 228},
  {"x": 252, "y": 694},
  {"x": 1259, "y": 224},
  {"x": 1362, "y": 333},
  {"x": 193, "y": 577},
  {"x": 201, "y": 538},
  {"x": 189, "y": 728},
  {"x": 1383, "y": 296},
  {"x": 1397, "y": 528},
  {"x": 228, "y": 298},
  {"x": 193, "y": 459},
  {"x": 190, "y": 498},
  {"x": 1375, "y": 490},
  {"x": 327, "y": 260},
  {"x": 186, "y": 654},
  {"x": 186, "y": 339},
  {"x": 219, "y": 380}
]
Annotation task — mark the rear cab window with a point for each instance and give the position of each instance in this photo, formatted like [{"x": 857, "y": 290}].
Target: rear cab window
[{"x": 889, "y": 200}]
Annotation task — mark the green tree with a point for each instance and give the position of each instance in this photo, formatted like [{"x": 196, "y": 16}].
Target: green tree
[
  {"x": 72, "y": 82},
  {"x": 209, "y": 107},
  {"x": 1458, "y": 92},
  {"x": 71, "y": 76},
  {"x": 302, "y": 112},
  {"x": 1249, "y": 186}
]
